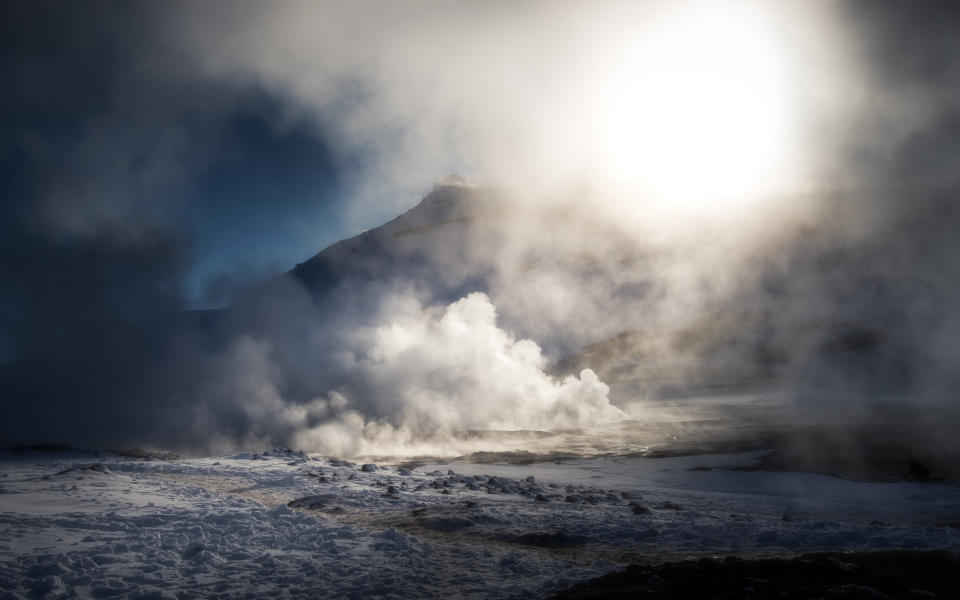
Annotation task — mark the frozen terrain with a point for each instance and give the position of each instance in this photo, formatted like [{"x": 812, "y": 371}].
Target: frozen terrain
[{"x": 284, "y": 524}]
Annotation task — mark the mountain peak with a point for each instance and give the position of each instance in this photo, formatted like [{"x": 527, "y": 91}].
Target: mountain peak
[
  {"x": 453, "y": 198},
  {"x": 456, "y": 180}
]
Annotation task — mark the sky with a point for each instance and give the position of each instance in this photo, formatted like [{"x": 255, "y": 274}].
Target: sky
[{"x": 158, "y": 157}]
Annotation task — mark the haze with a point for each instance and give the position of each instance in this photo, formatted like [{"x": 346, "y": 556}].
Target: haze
[{"x": 654, "y": 197}]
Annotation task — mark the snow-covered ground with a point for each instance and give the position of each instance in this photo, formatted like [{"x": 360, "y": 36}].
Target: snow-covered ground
[{"x": 283, "y": 524}]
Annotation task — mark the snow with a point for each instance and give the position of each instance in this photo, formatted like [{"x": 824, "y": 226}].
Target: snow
[{"x": 282, "y": 523}]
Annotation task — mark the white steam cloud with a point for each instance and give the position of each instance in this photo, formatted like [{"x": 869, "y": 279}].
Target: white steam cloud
[{"x": 417, "y": 381}]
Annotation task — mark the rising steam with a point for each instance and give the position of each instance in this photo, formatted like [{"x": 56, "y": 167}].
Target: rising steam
[
  {"x": 430, "y": 374},
  {"x": 412, "y": 384}
]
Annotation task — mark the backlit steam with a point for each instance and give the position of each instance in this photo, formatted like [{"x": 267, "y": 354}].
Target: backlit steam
[
  {"x": 424, "y": 377},
  {"x": 666, "y": 108},
  {"x": 414, "y": 380}
]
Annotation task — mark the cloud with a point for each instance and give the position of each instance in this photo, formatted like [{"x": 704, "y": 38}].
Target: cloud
[
  {"x": 414, "y": 379},
  {"x": 109, "y": 134},
  {"x": 428, "y": 374},
  {"x": 536, "y": 96},
  {"x": 478, "y": 375}
]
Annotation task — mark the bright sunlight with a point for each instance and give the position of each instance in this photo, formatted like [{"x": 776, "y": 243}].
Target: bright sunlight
[{"x": 698, "y": 113}]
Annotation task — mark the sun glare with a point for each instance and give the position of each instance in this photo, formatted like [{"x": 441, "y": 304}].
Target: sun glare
[{"x": 696, "y": 113}]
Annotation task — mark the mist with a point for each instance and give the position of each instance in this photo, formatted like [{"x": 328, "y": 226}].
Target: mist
[
  {"x": 602, "y": 253},
  {"x": 544, "y": 98}
]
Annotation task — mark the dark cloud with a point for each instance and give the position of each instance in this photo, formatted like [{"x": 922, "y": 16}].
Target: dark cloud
[
  {"x": 907, "y": 44},
  {"x": 85, "y": 174},
  {"x": 124, "y": 170}
]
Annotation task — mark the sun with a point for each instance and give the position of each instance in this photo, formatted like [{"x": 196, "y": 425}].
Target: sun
[{"x": 696, "y": 111}]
